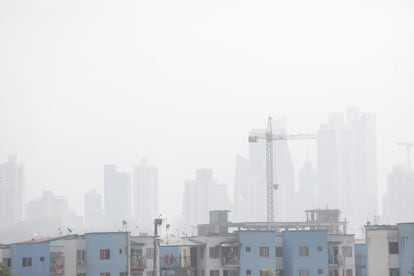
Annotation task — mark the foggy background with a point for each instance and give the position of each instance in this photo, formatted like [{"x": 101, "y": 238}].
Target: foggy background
[{"x": 88, "y": 83}]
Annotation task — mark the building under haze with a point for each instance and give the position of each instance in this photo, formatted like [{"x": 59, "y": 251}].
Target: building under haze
[
  {"x": 116, "y": 196},
  {"x": 11, "y": 192},
  {"x": 145, "y": 194},
  {"x": 346, "y": 157},
  {"x": 202, "y": 195},
  {"x": 48, "y": 206},
  {"x": 398, "y": 204},
  {"x": 250, "y": 180},
  {"x": 93, "y": 212}
]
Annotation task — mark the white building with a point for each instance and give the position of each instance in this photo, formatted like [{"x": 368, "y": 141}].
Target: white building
[
  {"x": 347, "y": 166},
  {"x": 398, "y": 201},
  {"x": 11, "y": 192},
  {"x": 145, "y": 194},
  {"x": 116, "y": 196},
  {"x": 48, "y": 206},
  {"x": 93, "y": 212},
  {"x": 202, "y": 195}
]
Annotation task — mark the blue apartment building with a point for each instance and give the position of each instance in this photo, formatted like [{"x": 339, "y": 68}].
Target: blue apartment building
[
  {"x": 406, "y": 248},
  {"x": 106, "y": 253},
  {"x": 31, "y": 258},
  {"x": 305, "y": 253},
  {"x": 257, "y": 253}
]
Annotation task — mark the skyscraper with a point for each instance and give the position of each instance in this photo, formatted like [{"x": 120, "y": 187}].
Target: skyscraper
[
  {"x": 11, "y": 192},
  {"x": 347, "y": 175},
  {"x": 202, "y": 195},
  {"x": 398, "y": 202},
  {"x": 49, "y": 206},
  {"x": 93, "y": 213},
  {"x": 145, "y": 194},
  {"x": 116, "y": 196}
]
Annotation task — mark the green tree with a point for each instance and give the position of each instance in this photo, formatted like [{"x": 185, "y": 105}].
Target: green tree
[{"x": 4, "y": 270}]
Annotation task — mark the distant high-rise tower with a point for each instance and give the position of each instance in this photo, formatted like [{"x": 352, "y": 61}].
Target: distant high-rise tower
[
  {"x": 201, "y": 195},
  {"x": 145, "y": 194},
  {"x": 116, "y": 196},
  {"x": 347, "y": 173},
  {"x": 11, "y": 192},
  {"x": 49, "y": 206},
  {"x": 250, "y": 180},
  {"x": 398, "y": 201},
  {"x": 93, "y": 210}
]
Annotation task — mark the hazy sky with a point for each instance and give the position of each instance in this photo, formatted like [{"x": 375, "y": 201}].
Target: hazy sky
[{"x": 86, "y": 83}]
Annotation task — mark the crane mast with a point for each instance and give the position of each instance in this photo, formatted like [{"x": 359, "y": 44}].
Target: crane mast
[
  {"x": 269, "y": 172},
  {"x": 269, "y": 137}
]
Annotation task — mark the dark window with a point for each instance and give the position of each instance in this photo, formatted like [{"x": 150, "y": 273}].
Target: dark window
[
  {"x": 394, "y": 272},
  {"x": 214, "y": 273},
  {"x": 348, "y": 272},
  {"x": 42, "y": 259},
  {"x": 105, "y": 274},
  {"x": 248, "y": 249},
  {"x": 27, "y": 261},
  {"x": 320, "y": 271},
  {"x": 279, "y": 251},
  {"x": 104, "y": 254},
  {"x": 319, "y": 248},
  {"x": 393, "y": 247},
  {"x": 264, "y": 251},
  {"x": 214, "y": 252},
  {"x": 248, "y": 272},
  {"x": 303, "y": 251},
  {"x": 347, "y": 251}
]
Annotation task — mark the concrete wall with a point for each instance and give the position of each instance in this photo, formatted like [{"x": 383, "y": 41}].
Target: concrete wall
[{"x": 379, "y": 259}]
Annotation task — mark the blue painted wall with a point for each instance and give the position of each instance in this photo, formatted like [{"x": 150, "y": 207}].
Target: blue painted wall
[
  {"x": 406, "y": 247},
  {"x": 114, "y": 241},
  {"x": 361, "y": 260},
  {"x": 252, "y": 260},
  {"x": 316, "y": 259},
  {"x": 35, "y": 251}
]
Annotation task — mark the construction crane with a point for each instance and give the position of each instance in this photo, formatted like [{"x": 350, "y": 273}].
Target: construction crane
[
  {"x": 269, "y": 137},
  {"x": 408, "y": 146}
]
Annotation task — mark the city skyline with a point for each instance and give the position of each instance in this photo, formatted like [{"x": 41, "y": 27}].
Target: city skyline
[{"x": 183, "y": 83}]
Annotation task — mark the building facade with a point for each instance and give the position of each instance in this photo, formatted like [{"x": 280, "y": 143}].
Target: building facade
[{"x": 12, "y": 199}]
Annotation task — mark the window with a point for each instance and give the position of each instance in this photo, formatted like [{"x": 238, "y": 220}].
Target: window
[
  {"x": 149, "y": 253},
  {"x": 248, "y": 249},
  {"x": 149, "y": 273},
  {"x": 230, "y": 273},
  {"x": 105, "y": 274},
  {"x": 104, "y": 254},
  {"x": 394, "y": 272},
  {"x": 138, "y": 273},
  {"x": 319, "y": 248},
  {"x": 348, "y": 272},
  {"x": 303, "y": 272},
  {"x": 81, "y": 274},
  {"x": 123, "y": 274},
  {"x": 42, "y": 259},
  {"x": 248, "y": 272},
  {"x": 214, "y": 273},
  {"x": 347, "y": 251},
  {"x": 320, "y": 271},
  {"x": 303, "y": 251},
  {"x": 393, "y": 247},
  {"x": 80, "y": 258},
  {"x": 7, "y": 262},
  {"x": 279, "y": 251},
  {"x": 214, "y": 252},
  {"x": 27, "y": 261},
  {"x": 264, "y": 251}
]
